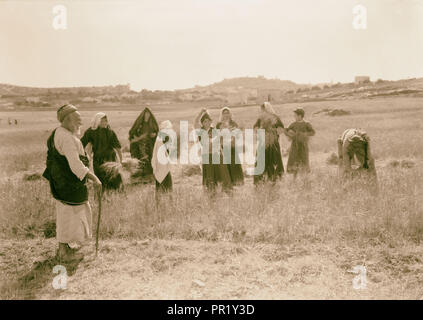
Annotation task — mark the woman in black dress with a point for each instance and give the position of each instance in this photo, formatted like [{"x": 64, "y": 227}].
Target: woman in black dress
[
  {"x": 235, "y": 167},
  {"x": 142, "y": 137},
  {"x": 105, "y": 148},
  {"x": 273, "y": 126},
  {"x": 213, "y": 173}
]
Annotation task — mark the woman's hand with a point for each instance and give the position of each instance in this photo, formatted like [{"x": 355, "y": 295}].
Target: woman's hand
[
  {"x": 290, "y": 133},
  {"x": 94, "y": 179},
  {"x": 152, "y": 135},
  {"x": 280, "y": 130},
  {"x": 138, "y": 138}
]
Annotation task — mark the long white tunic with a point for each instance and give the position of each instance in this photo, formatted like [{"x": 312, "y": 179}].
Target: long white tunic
[{"x": 73, "y": 223}]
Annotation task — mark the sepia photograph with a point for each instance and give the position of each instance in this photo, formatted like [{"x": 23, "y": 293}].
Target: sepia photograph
[{"x": 211, "y": 150}]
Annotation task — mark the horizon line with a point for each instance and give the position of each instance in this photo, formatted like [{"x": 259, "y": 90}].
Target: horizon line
[{"x": 193, "y": 87}]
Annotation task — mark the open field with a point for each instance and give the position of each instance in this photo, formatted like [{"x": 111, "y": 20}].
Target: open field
[{"x": 296, "y": 240}]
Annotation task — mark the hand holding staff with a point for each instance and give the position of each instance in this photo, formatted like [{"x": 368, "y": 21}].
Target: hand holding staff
[{"x": 98, "y": 186}]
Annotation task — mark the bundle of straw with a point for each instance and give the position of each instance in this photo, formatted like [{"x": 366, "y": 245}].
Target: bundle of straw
[
  {"x": 112, "y": 175},
  {"x": 130, "y": 164}
]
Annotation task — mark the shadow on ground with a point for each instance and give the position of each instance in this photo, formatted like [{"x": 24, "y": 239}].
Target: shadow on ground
[{"x": 27, "y": 286}]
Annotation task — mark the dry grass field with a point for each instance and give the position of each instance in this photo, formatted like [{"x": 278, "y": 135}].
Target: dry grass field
[{"x": 296, "y": 240}]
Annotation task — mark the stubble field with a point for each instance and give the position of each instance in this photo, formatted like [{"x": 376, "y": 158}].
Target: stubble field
[{"x": 298, "y": 239}]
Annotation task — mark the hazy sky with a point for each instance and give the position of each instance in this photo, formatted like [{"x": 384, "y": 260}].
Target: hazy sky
[{"x": 172, "y": 44}]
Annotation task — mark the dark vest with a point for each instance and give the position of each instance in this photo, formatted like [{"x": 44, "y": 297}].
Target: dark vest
[{"x": 65, "y": 186}]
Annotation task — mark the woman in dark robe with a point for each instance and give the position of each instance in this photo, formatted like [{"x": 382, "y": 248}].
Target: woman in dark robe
[
  {"x": 299, "y": 133},
  {"x": 105, "y": 147},
  {"x": 213, "y": 173},
  {"x": 356, "y": 159},
  {"x": 235, "y": 168},
  {"x": 354, "y": 154},
  {"x": 142, "y": 137},
  {"x": 273, "y": 126}
]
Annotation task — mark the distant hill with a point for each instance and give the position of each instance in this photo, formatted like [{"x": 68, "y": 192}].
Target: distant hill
[
  {"x": 12, "y": 90},
  {"x": 240, "y": 91},
  {"x": 257, "y": 83},
  {"x": 229, "y": 92}
]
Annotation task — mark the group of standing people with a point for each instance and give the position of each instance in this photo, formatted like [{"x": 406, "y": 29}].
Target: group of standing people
[
  {"x": 72, "y": 161},
  {"x": 298, "y": 133},
  {"x": 232, "y": 174},
  {"x": 145, "y": 141}
]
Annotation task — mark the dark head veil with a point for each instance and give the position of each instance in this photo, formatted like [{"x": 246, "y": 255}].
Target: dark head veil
[{"x": 139, "y": 125}]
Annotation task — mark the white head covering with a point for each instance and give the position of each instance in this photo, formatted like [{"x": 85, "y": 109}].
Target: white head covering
[
  {"x": 351, "y": 135},
  {"x": 205, "y": 114},
  {"x": 95, "y": 122},
  {"x": 221, "y": 113},
  {"x": 268, "y": 107},
  {"x": 166, "y": 125}
]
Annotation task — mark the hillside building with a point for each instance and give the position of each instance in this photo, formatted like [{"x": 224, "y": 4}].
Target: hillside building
[
  {"x": 361, "y": 79},
  {"x": 271, "y": 95}
]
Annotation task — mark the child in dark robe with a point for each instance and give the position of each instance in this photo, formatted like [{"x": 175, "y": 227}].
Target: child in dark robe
[{"x": 299, "y": 132}]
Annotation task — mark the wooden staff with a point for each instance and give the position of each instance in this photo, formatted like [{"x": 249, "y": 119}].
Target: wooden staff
[{"x": 99, "y": 196}]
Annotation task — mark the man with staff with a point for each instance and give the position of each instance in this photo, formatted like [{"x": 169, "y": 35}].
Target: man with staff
[{"x": 67, "y": 171}]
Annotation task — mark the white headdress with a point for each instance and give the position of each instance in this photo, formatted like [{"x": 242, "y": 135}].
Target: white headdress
[
  {"x": 352, "y": 135},
  {"x": 268, "y": 107},
  {"x": 95, "y": 122},
  {"x": 166, "y": 125},
  {"x": 221, "y": 113}
]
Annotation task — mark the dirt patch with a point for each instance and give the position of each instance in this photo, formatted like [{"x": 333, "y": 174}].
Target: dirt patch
[
  {"x": 333, "y": 112},
  {"x": 31, "y": 176},
  {"x": 406, "y": 163},
  {"x": 179, "y": 269},
  {"x": 333, "y": 159}
]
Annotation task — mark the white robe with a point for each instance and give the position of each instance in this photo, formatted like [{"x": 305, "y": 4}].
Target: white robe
[
  {"x": 160, "y": 161},
  {"x": 73, "y": 223}
]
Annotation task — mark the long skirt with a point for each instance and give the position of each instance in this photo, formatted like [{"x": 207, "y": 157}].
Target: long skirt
[
  {"x": 73, "y": 223},
  {"x": 273, "y": 165},
  {"x": 213, "y": 174},
  {"x": 134, "y": 150},
  {"x": 235, "y": 169},
  {"x": 165, "y": 185},
  {"x": 298, "y": 159},
  {"x": 143, "y": 151}
]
